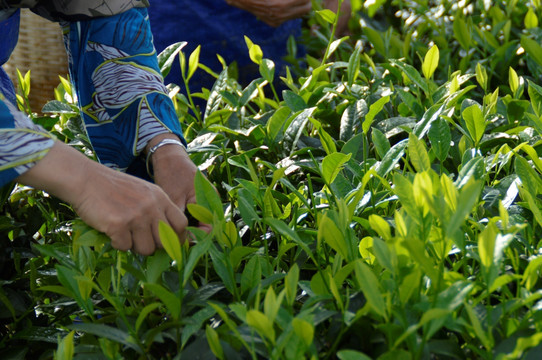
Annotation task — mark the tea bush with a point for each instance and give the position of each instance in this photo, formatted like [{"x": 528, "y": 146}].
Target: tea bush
[{"x": 386, "y": 204}]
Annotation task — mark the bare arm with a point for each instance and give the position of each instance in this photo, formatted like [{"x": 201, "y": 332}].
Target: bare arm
[{"x": 124, "y": 207}]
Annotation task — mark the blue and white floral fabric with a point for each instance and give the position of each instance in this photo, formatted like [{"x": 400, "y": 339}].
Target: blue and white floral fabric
[
  {"x": 22, "y": 143},
  {"x": 120, "y": 91},
  {"x": 119, "y": 86}
]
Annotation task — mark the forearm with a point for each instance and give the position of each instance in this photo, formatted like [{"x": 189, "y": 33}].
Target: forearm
[{"x": 63, "y": 172}]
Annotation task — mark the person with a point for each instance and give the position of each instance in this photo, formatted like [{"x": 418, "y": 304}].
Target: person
[
  {"x": 219, "y": 26},
  {"x": 127, "y": 115}
]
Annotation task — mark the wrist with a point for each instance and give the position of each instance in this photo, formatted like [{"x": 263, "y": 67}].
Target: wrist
[{"x": 162, "y": 149}]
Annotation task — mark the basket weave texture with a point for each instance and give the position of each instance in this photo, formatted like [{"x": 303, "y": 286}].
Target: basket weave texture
[{"x": 41, "y": 50}]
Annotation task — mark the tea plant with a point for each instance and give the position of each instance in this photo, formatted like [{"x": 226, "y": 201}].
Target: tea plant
[{"x": 386, "y": 205}]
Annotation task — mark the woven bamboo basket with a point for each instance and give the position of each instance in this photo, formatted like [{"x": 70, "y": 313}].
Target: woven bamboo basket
[{"x": 41, "y": 50}]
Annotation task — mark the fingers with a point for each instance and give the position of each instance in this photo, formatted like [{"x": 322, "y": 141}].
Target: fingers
[{"x": 144, "y": 242}]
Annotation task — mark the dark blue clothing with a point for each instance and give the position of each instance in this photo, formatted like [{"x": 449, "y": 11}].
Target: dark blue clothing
[
  {"x": 9, "y": 29},
  {"x": 220, "y": 29}
]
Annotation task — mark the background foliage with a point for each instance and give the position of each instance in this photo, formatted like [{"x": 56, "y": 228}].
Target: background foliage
[{"x": 379, "y": 200}]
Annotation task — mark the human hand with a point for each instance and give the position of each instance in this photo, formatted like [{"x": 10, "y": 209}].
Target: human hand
[
  {"x": 125, "y": 208},
  {"x": 174, "y": 172},
  {"x": 274, "y": 12}
]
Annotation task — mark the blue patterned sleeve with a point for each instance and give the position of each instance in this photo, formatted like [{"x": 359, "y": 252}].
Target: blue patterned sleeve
[
  {"x": 120, "y": 89},
  {"x": 22, "y": 143}
]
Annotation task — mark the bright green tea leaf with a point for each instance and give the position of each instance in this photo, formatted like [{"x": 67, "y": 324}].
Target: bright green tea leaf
[
  {"x": 65, "y": 349},
  {"x": 430, "y": 62},
  {"x": 332, "y": 164},
  {"x": 207, "y": 196},
  {"x": 261, "y": 324},
  {"x": 475, "y": 121},
  {"x": 193, "y": 62},
  {"x": 374, "y": 109},
  {"x": 214, "y": 342},
  {"x": 304, "y": 330},
  {"x": 481, "y": 76},
  {"x": 171, "y": 243},
  {"x": 254, "y": 51},
  {"x": 531, "y": 20},
  {"x": 418, "y": 154},
  {"x": 513, "y": 80},
  {"x": 326, "y": 15}
]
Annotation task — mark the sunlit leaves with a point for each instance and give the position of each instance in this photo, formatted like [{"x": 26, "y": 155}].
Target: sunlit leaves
[{"x": 430, "y": 62}]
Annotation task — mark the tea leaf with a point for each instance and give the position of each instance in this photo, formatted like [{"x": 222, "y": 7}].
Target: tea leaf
[
  {"x": 261, "y": 324},
  {"x": 381, "y": 142},
  {"x": 252, "y": 275},
  {"x": 440, "y": 137},
  {"x": 196, "y": 252},
  {"x": 370, "y": 287},
  {"x": 412, "y": 74},
  {"x": 294, "y": 101},
  {"x": 475, "y": 121},
  {"x": 326, "y": 15},
  {"x": 353, "y": 64},
  {"x": 531, "y": 20},
  {"x": 276, "y": 123},
  {"x": 332, "y": 164},
  {"x": 193, "y": 62},
  {"x": 532, "y": 48},
  {"x": 418, "y": 154},
  {"x": 170, "y": 300},
  {"x": 462, "y": 33},
  {"x": 535, "y": 94},
  {"x": 330, "y": 233},
  {"x": 108, "y": 332},
  {"x": 392, "y": 158},
  {"x": 296, "y": 128},
  {"x": 352, "y": 116},
  {"x": 267, "y": 70},
  {"x": 290, "y": 284},
  {"x": 207, "y": 196},
  {"x": 381, "y": 226},
  {"x": 374, "y": 109},
  {"x": 65, "y": 348},
  {"x": 143, "y": 314},
  {"x": 214, "y": 342},
  {"x": 513, "y": 80},
  {"x": 366, "y": 249},
  {"x": 430, "y": 62},
  {"x": 467, "y": 198},
  {"x": 254, "y": 51},
  {"x": 351, "y": 355},
  {"x": 304, "y": 330},
  {"x": 481, "y": 76},
  {"x": 171, "y": 243},
  {"x": 166, "y": 57}
]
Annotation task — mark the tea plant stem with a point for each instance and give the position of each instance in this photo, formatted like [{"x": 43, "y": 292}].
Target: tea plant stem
[
  {"x": 195, "y": 110},
  {"x": 333, "y": 30}
]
